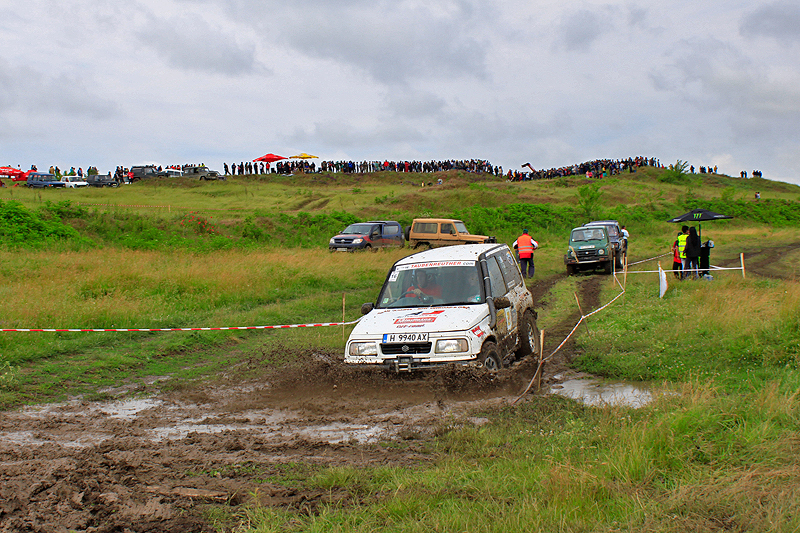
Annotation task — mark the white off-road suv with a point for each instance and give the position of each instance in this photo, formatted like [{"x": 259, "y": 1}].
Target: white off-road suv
[{"x": 464, "y": 304}]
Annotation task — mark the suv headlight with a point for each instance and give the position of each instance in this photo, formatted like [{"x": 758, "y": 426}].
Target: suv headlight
[
  {"x": 358, "y": 241},
  {"x": 601, "y": 252},
  {"x": 451, "y": 345},
  {"x": 332, "y": 241},
  {"x": 363, "y": 348}
]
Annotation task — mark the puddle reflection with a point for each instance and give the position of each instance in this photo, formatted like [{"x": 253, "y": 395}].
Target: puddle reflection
[{"x": 598, "y": 393}]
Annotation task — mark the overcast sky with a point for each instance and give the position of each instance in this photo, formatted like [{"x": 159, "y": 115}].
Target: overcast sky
[{"x": 107, "y": 83}]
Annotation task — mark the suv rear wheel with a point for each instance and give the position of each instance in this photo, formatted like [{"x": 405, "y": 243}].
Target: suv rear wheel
[{"x": 528, "y": 336}]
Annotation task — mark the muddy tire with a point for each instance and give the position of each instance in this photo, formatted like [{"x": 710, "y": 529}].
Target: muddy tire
[
  {"x": 489, "y": 357},
  {"x": 528, "y": 336},
  {"x": 608, "y": 266},
  {"x": 571, "y": 270}
]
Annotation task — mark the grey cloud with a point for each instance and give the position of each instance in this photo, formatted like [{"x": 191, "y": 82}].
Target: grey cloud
[
  {"x": 392, "y": 41},
  {"x": 579, "y": 29},
  {"x": 190, "y": 43},
  {"x": 637, "y": 16},
  {"x": 719, "y": 81},
  {"x": 393, "y": 51},
  {"x": 778, "y": 20},
  {"x": 416, "y": 105},
  {"x": 25, "y": 90},
  {"x": 344, "y": 136},
  {"x": 730, "y": 79}
]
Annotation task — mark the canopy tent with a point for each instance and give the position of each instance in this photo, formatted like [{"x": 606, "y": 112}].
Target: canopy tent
[
  {"x": 11, "y": 172},
  {"x": 304, "y": 156},
  {"x": 269, "y": 158},
  {"x": 698, "y": 215}
]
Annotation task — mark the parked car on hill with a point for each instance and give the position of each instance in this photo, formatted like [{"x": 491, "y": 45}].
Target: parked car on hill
[
  {"x": 433, "y": 232},
  {"x": 368, "y": 236},
  {"x": 589, "y": 249},
  {"x": 101, "y": 180},
  {"x": 202, "y": 173},
  {"x": 43, "y": 180},
  {"x": 139, "y": 172},
  {"x": 170, "y": 173},
  {"x": 458, "y": 304},
  {"x": 74, "y": 182}
]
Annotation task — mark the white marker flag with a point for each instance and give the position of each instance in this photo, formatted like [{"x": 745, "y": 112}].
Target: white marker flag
[{"x": 662, "y": 282}]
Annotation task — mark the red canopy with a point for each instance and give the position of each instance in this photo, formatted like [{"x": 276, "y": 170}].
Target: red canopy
[
  {"x": 269, "y": 158},
  {"x": 11, "y": 172}
]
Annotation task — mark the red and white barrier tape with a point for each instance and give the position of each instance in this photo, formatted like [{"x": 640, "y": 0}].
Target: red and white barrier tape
[{"x": 283, "y": 326}]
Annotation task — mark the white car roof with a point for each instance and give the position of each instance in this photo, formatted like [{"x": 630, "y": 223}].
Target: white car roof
[{"x": 463, "y": 252}]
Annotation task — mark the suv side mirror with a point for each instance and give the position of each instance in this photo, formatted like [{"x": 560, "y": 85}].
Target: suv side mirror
[
  {"x": 501, "y": 302},
  {"x": 367, "y": 307}
]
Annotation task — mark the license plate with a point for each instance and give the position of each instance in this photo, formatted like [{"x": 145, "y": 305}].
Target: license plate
[
  {"x": 341, "y": 249},
  {"x": 394, "y": 338}
]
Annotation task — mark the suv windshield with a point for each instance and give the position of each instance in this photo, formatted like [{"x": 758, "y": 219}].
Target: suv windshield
[
  {"x": 357, "y": 229},
  {"x": 587, "y": 234},
  {"x": 438, "y": 283},
  {"x": 461, "y": 227}
]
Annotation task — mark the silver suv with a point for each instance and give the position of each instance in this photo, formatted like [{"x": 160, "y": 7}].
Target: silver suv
[
  {"x": 463, "y": 304},
  {"x": 203, "y": 173}
]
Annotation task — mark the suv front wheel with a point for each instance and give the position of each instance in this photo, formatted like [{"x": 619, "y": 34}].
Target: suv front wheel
[{"x": 489, "y": 357}]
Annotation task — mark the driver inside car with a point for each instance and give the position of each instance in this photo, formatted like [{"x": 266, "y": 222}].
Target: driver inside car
[{"x": 424, "y": 284}]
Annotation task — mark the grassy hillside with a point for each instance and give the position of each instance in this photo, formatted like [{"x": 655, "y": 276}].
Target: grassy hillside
[
  {"x": 718, "y": 450},
  {"x": 305, "y": 210}
]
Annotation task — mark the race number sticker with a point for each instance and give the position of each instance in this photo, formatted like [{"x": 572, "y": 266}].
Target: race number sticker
[
  {"x": 393, "y": 276},
  {"x": 390, "y": 338}
]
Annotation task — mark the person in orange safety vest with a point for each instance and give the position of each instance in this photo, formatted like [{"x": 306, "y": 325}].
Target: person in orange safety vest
[{"x": 525, "y": 245}]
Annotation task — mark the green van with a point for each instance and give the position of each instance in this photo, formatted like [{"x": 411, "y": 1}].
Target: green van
[{"x": 589, "y": 249}]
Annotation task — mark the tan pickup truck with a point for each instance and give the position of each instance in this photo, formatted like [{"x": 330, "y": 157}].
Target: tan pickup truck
[{"x": 435, "y": 232}]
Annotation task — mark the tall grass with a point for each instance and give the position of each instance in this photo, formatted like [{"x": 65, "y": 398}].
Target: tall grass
[
  {"x": 738, "y": 330},
  {"x": 113, "y": 288}
]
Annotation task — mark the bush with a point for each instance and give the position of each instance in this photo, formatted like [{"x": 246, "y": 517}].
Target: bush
[{"x": 21, "y": 227}]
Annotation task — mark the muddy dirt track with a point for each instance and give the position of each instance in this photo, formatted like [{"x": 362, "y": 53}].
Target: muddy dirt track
[{"x": 153, "y": 464}]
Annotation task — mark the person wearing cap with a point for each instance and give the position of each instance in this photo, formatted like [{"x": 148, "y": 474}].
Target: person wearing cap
[{"x": 525, "y": 245}]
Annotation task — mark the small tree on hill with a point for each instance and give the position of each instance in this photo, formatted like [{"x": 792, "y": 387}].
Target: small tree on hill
[
  {"x": 675, "y": 173},
  {"x": 589, "y": 199}
]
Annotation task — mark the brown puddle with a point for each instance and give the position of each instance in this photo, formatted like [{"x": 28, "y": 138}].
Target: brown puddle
[{"x": 599, "y": 393}]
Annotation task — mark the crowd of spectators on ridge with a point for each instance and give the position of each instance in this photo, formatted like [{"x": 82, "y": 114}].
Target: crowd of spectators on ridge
[
  {"x": 352, "y": 167},
  {"x": 599, "y": 168}
]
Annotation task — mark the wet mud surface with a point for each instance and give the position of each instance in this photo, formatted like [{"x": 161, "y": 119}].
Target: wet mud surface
[{"x": 157, "y": 463}]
